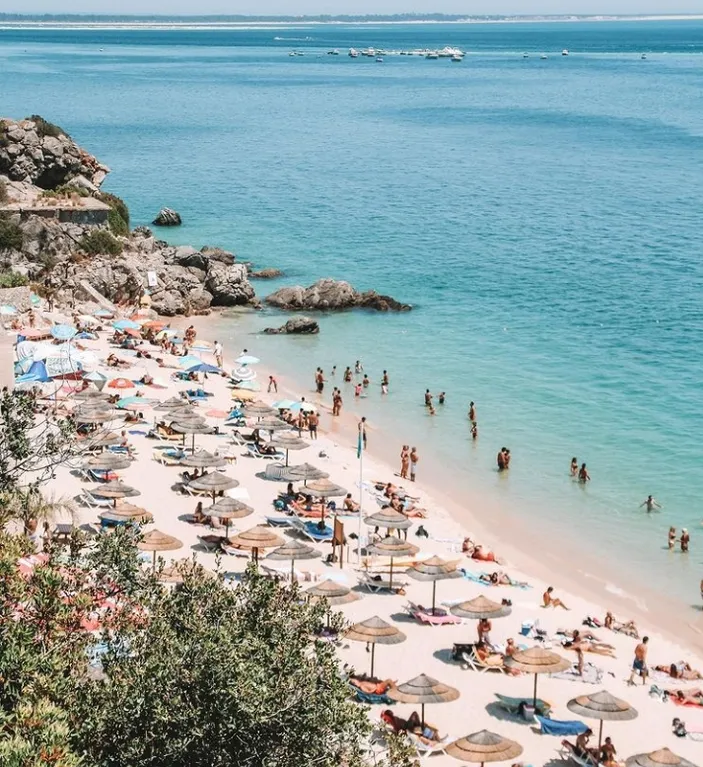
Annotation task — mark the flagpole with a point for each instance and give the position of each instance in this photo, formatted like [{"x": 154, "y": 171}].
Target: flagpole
[{"x": 360, "y": 451}]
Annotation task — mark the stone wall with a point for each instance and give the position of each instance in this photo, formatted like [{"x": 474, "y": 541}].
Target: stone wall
[{"x": 20, "y": 298}]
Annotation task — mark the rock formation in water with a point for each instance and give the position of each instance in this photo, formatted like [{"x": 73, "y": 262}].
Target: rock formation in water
[
  {"x": 167, "y": 217},
  {"x": 265, "y": 274},
  {"x": 59, "y": 230},
  {"x": 330, "y": 295},
  {"x": 296, "y": 326}
]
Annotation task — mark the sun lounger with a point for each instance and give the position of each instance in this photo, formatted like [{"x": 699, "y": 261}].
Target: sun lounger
[
  {"x": 279, "y": 521},
  {"x": 492, "y": 663},
  {"x": 555, "y": 727},
  {"x": 167, "y": 457},
  {"x": 94, "y": 501},
  {"x": 440, "y": 617},
  {"x": 426, "y": 750},
  {"x": 211, "y": 542},
  {"x": 515, "y": 706},
  {"x": 375, "y": 585},
  {"x": 311, "y": 531},
  {"x": 567, "y": 752},
  {"x": 253, "y": 450}
]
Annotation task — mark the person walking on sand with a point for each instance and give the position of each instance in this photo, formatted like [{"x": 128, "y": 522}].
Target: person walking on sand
[
  {"x": 472, "y": 412},
  {"x": 584, "y": 476},
  {"x": 574, "y": 469},
  {"x": 362, "y": 430},
  {"x": 313, "y": 422},
  {"x": 639, "y": 665},
  {"x": 549, "y": 601},
  {"x": 672, "y": 538},
  {"x": 578, "y": 649},
  {"x": 683, "y": 540},
  {"x": 650, "y": 503},
  {"x": 404, "y": 461},
  {"x": 218, "y": 354},
  {"x": 273, "y": 385},
  {"x": 414, "y": 458}
]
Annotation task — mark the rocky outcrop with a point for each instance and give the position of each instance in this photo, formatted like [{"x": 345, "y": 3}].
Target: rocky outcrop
[
  {"x": 38, "y": 152},
  {"x": 266, "y": 274},
  {"x": 167, "y": 217},
  {"x": 333, "y": 295},
  {"x": 297, "y": 326}
]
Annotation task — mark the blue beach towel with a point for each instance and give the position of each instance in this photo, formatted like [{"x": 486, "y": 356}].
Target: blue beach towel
[
  {"x": 555, "y": 727},
  {"x": 370, "y": 698}
]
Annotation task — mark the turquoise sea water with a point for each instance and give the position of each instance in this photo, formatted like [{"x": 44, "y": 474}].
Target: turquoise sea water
[{"x": 542, "y": 215}]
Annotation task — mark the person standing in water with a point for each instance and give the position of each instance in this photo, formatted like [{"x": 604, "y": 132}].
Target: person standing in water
[
  {"x": 384, "y": 382},
  {"x": 442, "y": 397},
  {"x": 472, "y": 412},
  {"x": 347, "y": 375},
  {"x": 684, "y": 540},
  {"x": 365, "y": 381},
  {"x": 672, "y": 538},
  {"x": 584, "y": 476},
  {"x": 574, "y": 469},
  {"x": 358, "y": 367},
  {"x": 500, "y": 459},
  {"x": 428, "y": 398},
  {"x": 474, "y": 430},
  {"x": 650, "y": 503}
]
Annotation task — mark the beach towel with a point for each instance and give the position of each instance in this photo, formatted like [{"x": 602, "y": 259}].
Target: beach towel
[
  {"x": 591, "y": 674},
  {"x": 555, "y": 727},
  {"x": 370, "y": 698},
  {"x": 137, "y": 432}
]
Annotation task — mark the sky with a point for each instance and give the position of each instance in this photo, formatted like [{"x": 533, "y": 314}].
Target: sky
[{"x": 290, "y": 7}]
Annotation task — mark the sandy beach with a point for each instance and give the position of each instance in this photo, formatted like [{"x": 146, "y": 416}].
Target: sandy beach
[{"x": 428, "y": 648}]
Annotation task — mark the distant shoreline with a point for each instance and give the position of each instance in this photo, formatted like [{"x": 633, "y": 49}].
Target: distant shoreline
[{"x": 94, "y": 21}]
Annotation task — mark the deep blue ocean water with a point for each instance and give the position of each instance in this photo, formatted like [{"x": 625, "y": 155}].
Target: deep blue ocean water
[{"x": 542, "y": 215}]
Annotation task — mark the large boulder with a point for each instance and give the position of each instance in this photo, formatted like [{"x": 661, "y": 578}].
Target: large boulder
[
  {"x": 229, "y": 285},
  {"x": 167, "y": 217},
  {"x": 296, "y": 326},
  {"x": 266, "y": 274},
  {"x": 328, "y": 294},
  {"x": 40, "y": 153}
]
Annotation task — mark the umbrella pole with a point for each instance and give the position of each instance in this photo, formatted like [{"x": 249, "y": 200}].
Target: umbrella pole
[
  {"x": 422, "y": 715},
  {"x": 153, "y": 563},
  {"x": 287, "y": 451},
  {"x": 373, "y": 652},
  {"x": 534, "y": 694},
  {"x": 292, "y": 569},
  {"x": 600, "y": 735},
  {"x": 390, "y": 582},
  {"x": 434, "y": 594}
]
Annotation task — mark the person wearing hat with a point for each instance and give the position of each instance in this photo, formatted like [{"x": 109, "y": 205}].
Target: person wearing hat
[{"x": 683, "y": 540}]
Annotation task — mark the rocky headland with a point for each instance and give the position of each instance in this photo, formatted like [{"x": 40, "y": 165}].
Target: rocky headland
[{"x": 64, "y": 235}]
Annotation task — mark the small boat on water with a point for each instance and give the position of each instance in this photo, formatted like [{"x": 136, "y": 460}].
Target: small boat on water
[
  {"x": 643, "y": 57},
  {"x": 544, "y": 57},
  {"x": 379, "y": 59},
  {"x": 456, "y": 57},
  {"x": 565, "y": 52},
  {"x": 432, "y": 55},
  {"x": 353, "y": 53},
  {"x": 525, "y": 55}
]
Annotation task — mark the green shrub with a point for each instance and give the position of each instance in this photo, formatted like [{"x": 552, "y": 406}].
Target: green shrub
[
  {"x": 4, "y": 197},
  {"x": 101, "y": 242},
  {"x": 12, "y": 280},
  {"x": 119, "y": 213},
  {"x": 45, "y": 128},
  {"x": 117, "y": 224},
  {"x": 11, "y": 236}
]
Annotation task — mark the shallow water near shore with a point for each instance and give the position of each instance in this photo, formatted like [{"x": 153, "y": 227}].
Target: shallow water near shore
[{"x": 541, "y": 215}]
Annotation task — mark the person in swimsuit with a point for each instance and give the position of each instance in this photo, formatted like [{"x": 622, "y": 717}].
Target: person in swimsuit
[
  {"x": 347, "y": 375},
  {"x": 404, "y": 461},
  {"x": 414, "y": 458},
  {"x": 639, "y": 665},
  {"x": 474, "y": 430},
  {"x": 672, "y": 538},
  {"x": 472, "y": 412},
  {"x": 574, "y": 468},
  {"x": 500, "y": 459},
  {"x": 549, "y": 601},
  {"x": 584, "y": 476},
  {"x": 684, "y": 540},
  {"x": 365, "y": 381},
  {"x": 650, "y": 503}
]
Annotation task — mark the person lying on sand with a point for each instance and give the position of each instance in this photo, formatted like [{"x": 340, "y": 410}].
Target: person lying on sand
[
  {"x": 584, "y": 645},
  {"x": 692, "y": 697},
  {"x": 628, "y": 627},
  {"x": 428, "y": 734},
  {"x": 500, "y": 578},
  {"x": 680, "y": 670},
  {"x": 371, "y": 685}
]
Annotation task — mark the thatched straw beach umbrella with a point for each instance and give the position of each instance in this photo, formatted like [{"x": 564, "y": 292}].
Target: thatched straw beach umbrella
[
  {"x": 192, "y": 426},
  {"x": 155, "y": 541},
  {"x": 114, "y": 490},
  {"x": 323, "y": 488},
  {"x": 258, "y": 409},
  {"x": 259, "y": 537},
  {"x": 294, "y": 550},
  {"x": 169, "y": 404},
  {"x": 661, "y": 758},
  {"x": 214, "y": 483},
  {"x": 484, "y": 746},
  {"x": 102, "y": 439},
  {"x": 126, "y": 512},
  {"x": 306, "y": 472},
  {"x": 228, "y": 509},
  {"x": 289, "y": 442},
  {"x": 335, "y": 593},
  {"x": 375, "y": 631},
  {"x": 388, "y": 518},
  {"x": 91, "y": 395},
  {"x": 433, "y": 569},
  {"x": 603, "y": 706},
  {"x": 422, "y": 690},
  {"x": 272, "y": 424},
  {"x": 182, "y": 413},
  {"x": 107, "y": 462},
  {"x": 392, "y": 547},
  {"x": 94, "y": 416},
  {"x": 537, "y": 660},
  {"x": 201, "y": 459},
  {"x": 480, "y": 607}
]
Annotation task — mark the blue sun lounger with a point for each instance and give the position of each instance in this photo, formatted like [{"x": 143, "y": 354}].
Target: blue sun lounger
[
  {"x": 370, "y": 699},
  {"x": 555, "y": 727}
]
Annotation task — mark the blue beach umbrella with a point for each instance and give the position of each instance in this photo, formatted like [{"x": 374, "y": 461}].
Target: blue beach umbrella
[
  {"x": 63, "y": 332},
  {"x": 203, "y": 367},
  {"x": 36, "y": 374},
  {"x": 188, "y": 362},
  {"x": 127, "y": 401},
  {"x": 248, "y": 385},
  {"x": 243, "y": 373},
  {"x": 284, "y": 404},
  {"x": 34, "y": 298},
  {"x": 126, "y": 325},
  {"x": 104, "y": 313},
  {"x": 7, "y": 309},
  {"x": 247, "y": 359}
]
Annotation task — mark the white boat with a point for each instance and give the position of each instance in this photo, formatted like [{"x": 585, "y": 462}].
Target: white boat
[
  {"x": 525, "y": 55},
  {"x": 457, "y": 58},
  {"x": 544, "y": 57},
  {"x": 565, "y": 52},
  {"x": 353, "y": 53},
  {"x": 335, "y": 52},
  {"x": 432, "y": 55},
  {"x": 643, "y": 57},
  {"x": 379, "y": 59}
]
